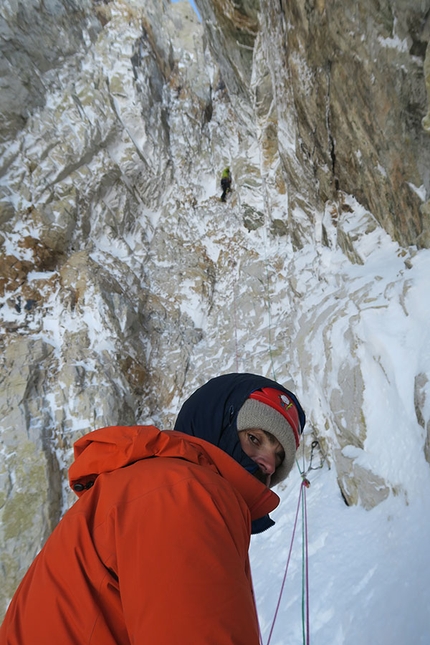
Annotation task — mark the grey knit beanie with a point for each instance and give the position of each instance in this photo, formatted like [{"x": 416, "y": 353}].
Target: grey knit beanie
[{"x": 254, "y": 414}]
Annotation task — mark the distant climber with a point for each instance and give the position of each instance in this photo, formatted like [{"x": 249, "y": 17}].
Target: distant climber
[{"x": 225, "y": 183}]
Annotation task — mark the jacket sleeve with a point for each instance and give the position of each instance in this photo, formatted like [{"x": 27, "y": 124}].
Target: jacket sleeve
[{"x": 183, "y": 565}]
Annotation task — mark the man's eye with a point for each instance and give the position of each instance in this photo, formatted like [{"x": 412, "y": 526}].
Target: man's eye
[{"x": 253, "y": 439}]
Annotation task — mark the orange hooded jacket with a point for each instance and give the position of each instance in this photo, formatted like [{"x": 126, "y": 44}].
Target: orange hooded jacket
[{"x": 155, "y": 551}]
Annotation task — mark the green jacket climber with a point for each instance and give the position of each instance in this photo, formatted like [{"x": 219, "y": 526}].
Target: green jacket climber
[{"x": 225, "y": 183}]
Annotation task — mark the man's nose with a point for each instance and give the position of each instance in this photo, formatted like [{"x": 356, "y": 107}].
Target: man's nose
[{"x": 267, "y": 463}]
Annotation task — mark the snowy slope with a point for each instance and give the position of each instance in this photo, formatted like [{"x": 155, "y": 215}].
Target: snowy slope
[{"x": 368, "y": 570}]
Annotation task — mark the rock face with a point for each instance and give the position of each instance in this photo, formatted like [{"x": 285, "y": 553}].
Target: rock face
[
  {"x": 36, "y": 39},
  {"x": 125, "y": 283}
]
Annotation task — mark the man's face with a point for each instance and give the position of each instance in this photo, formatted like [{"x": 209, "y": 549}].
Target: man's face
[{"x": 263, "y": 448}]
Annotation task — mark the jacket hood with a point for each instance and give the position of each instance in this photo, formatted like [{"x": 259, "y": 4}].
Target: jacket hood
[
  {"x": 108, "y": 449},
  {"x": 211, "y": 412}
]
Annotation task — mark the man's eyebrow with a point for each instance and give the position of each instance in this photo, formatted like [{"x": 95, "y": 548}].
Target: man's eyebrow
[
  {"x": 270, "y": 436},
  {"x": 273, "y": 440}
]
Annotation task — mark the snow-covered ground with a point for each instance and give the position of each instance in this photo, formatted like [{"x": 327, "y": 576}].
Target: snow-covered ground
[{"x": 368, "y": 570}]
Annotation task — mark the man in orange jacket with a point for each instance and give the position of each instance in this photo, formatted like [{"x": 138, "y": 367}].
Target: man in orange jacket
[{"x": 156, "y": 548}]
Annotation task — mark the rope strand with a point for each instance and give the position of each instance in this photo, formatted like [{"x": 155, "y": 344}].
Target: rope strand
[
  {"x": 286, "y": 568},
  {"x": 307, "y": 565},
  {"x": 303, "y": 568},
  {"x": 236, "y": 347},
  {"x": 305, "y": 483},
  {"x": 269, "y": 310}
]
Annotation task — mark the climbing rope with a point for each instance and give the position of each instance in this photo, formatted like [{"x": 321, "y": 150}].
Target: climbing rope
[
  {"x": 305, "y": 566},
  {"x": 236, "y": 346},
  {"x": 301, "y": 503},
  {"x": 269, "y": 309}
]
